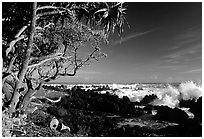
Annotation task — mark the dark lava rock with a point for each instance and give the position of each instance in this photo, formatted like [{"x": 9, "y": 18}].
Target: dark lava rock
[
  {"x": 195, "y": 107},
  {"x": 87, "y": 112},
  {"x": 40, "y": 118},
  {"x": 172, "y": 115},
  {"x": 189, "y": 129},
  {"x": 147, "y": 99},
  {"x": 57, "y": 111}
]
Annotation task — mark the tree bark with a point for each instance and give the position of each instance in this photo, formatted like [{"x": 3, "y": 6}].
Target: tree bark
[
  {"x": 28, "y": 95},
  {"x": 27, "y": 99},
  {"x": 7, "y": 73},
  {"x": 22, "y": 72}
]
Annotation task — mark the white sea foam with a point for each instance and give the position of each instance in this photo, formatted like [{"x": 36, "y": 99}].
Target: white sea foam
[
  {"x": 166, "y": 94},
  {"x": 190, "y": 90},
  {"x": 169, "y": 95}
]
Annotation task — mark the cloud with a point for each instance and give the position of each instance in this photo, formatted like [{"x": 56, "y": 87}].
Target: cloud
[
  {"x": 188, "y": 37},
  {"x": 186, "y": 48},
  {"x": 193, "y": 71},
  {"x": 131, "y": 36},
  {"x": 182, "y": 60},
  {"x": 186, "y": 54},
  {"x": 190, "y": 34}
]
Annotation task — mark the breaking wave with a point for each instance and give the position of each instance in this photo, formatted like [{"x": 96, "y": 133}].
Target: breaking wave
[
  {"x": 190, "y": 90},
  {"x": 171, "y": 95},
  {"x": 168, "y": 96}
]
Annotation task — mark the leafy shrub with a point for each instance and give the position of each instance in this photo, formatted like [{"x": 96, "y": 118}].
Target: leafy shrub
[{"x": 9, "y": 123}]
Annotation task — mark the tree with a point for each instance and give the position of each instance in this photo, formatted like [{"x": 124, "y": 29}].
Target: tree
[{"x": 48, "y": 42}]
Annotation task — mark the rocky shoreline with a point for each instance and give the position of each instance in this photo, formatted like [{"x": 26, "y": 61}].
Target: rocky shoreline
[{"x": 88, "y": 113}]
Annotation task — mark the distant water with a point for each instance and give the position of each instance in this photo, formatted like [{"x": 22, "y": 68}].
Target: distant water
[{"x": 167, "y": 93}]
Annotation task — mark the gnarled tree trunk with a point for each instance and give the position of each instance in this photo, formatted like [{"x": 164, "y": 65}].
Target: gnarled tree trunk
[
  {"x": 22, "y": 72},
  {"x": 28, "y": 96},
  {"x": 27, "y": 99}
]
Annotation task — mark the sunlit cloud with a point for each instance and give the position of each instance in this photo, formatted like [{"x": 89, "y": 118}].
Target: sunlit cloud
[
  {"x": 185, "y": 53},
  {"x": 131, "y": 36},
  {"x": 187, "y": 48},
  {"x": 189, "y": 36},
  {"x": 193, "y": 71}
]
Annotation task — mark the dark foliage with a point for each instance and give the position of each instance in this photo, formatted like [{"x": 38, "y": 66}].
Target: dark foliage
[{"x": 15, "y": 15}]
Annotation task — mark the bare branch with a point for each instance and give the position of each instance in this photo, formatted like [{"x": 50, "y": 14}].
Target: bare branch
[
  {"x": 18, "y": 37},
  {"x": 8, "y": 70},
  {"x": 69, "y": 74},
  {"x": 88, "y": 58},
  {"x": 53, "y": 101},
  {"x": 55, "y": 75},
  {"x": 21, "y": 31},
  {"x": 15, "y": 76},
  {"x": 12, "y": 84},
  {"x": 51, "y": 7},
  {"x": 42, "y": 62},
  {"x": 57, "y": 10},
  {"x": 75, "y": 56},
  {"x": 56, "y": 56},
  {"x": 46, "y": 7},
  {"x": 5, "y": 75},
  {"x": 48, "y": 25},
  {"x": 47, "y": 13},
  {"x": 28, "y": 82},
  {"x": 76, "y": 64},
  {"x": 12, "y": 43}
]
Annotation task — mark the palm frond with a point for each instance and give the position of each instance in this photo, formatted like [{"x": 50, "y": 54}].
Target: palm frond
[{"x": 101, "y": 10}]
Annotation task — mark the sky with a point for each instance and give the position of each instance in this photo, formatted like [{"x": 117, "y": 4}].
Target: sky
[{"x": 163, "y": 44}]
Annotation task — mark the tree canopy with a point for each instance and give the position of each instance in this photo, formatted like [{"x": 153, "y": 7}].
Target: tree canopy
[{"x": 42, "y": 41}]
